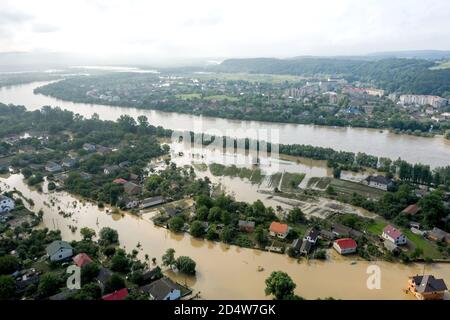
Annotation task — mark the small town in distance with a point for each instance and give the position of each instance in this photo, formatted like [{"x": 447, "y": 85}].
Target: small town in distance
[{"x": 146, "y": 166}]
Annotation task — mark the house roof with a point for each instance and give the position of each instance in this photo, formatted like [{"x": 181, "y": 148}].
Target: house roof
[
  {"x": 428, "y": 283},
  {"x": 159, "y": 289},
  {"x": 81, "y": 259},
  {"x": 411, "y": 209},
  {"x": 346, "y": 243},
  {"x": 120, "y": 181},
  {"x": 103, "y": 275},
  {"x": 130, "y": 187},
  {"x": 379, "y": 179},
  {"x": 278, "y": 227},
  {"x": 246, "y": 224},
  {"x": 306, "y": 247},
  {"x": 439, "y": 234},
  {"x": 392, "y": 232},
  {"x": 296, "y": 244},
  {"x": 313, "y": 233},
  {"x": 149, "y": 202},
  {"x": 116, "y": 295},
  {"x": 57, "y": 245}
]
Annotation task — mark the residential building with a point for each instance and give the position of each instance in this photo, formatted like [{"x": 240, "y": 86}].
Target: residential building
[
  {"x": 421, "y": 100},
  {"x": 59, "y": 250},
  {"x": 120, "y": 181},
  {"x": 306, "y": 247},
  {"x": 69, "y": 162},
  {"x": 311, "y": 235},
  {"x": 162, "y": 289},
  {"x": 116, "y": 295},
  {"x": 379, "y": 182},
  {"x": 103, "y": 276},
  {"x": 296, "y": 245},
  {"x": 411, "y": 209},
  {"x": 111, "y": 169},
  {"x": 152, "y": 202},
  {"x": 81, "y": 260},
  {"x": 427, "y": 287},
  {"x": 439, "y": 235},
  {"x": 131, "y": 188},
  {"x": 52, "y": 167},
  {"x": 103, "y": 150},
  {"x": 6, "y": 204},
  {"x": 343, "y": 231},
  {"x": 89, "y": 147},
  {"x": 279, "y": 230},
  {"x": 345, "y": 246},
  {"x": 394, "y": 235},
  {"x": 246, "y": 226},
  {"x": 328, "y": 235}
]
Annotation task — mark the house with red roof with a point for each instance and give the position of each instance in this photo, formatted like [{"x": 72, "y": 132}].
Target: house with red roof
[
  {"x": 394, "y": 235},
  {"x": 279, "y": 230},
  {"x": 411, "y": 209},
  {"x": 81, "y": 260},
  {"x": 120, "y": 181},
  {"x": 345, "y": 246},
  {"x": 116, "y": 295}
]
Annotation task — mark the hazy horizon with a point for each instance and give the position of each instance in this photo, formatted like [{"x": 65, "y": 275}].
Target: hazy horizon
[{"x": 184, "y": 30}]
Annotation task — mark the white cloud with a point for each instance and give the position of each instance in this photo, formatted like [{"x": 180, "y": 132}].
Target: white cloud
[{"x": 221, "y": 28}]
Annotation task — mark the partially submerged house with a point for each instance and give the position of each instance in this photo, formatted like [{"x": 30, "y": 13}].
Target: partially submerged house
[
  {"x": 345, "y": 246},
  {"x": 427, "y": 287},
  {"x": 379, "y": 182},
  {"x": 162, "y": 289},
  {"x": 152, "y": 202}
]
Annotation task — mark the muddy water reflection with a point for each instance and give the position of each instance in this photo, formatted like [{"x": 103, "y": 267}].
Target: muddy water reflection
[{"x": 224, "y": 271}]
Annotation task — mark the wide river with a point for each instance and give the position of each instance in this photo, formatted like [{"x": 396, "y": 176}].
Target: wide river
[{"x": 432, "y": 151}]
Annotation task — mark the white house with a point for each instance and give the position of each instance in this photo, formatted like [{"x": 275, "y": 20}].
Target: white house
[
  {"x": 162, "y": 289},
  {"x": 311, "y": 236},
  {"x": 59, "y": 250},
  {"x": 379, "y": 182},
  {"x": 394, "y": 235},
  {"x": 6, "y": 204},
  {"x": 345, "y": 246}
]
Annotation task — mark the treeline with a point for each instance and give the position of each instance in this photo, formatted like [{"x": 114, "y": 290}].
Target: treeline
[{"x": 394, "y": 75}]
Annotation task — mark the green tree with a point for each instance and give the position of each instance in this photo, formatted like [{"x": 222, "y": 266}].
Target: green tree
[
  {"x": 87, "y": 233},
  {"x": 185, "y": 265},
  {"x": 197, "y": 229},
  {"x": 108, "y": 236},
  {"x": 120, "y": 262},
  {"x": 280, "y": 285},
  {"x": 8, "y": 264},
  {"x": 227, "y": 234},
  {"x": 49, "y": 284},
  {"x": 7, "y": 287},
  {"x": 168, "y": 259},
  {"x": 176, "y": 224},
  {"x": 89, "y": 272},
  {"x": 114, "y": 283},
  {"x": 261, "y": 235},
  {"x": 296, "y": 216},
  {"x": 211, "y": 234}
]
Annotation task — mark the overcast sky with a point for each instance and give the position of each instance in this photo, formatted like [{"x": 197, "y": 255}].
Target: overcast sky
[{"x": 223, "y": 28}]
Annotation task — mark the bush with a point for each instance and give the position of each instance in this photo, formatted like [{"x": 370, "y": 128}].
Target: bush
[
  {"x": 185, "y": 265},
  {"x": 114, "y": 283},
  {"x": 197, "y": 229},
  {"x": 176, "y": 224},
  {"x": 7, "y": 287}
]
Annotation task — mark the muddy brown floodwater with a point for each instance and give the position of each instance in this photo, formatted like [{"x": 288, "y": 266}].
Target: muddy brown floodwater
[{"x": 226, "y": 272}]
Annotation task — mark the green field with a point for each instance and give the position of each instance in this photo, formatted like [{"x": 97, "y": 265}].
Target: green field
[
  {"x": 254, "y": 175},
  {"x": 348, "y": 188},
  {"x": 291, "y": 180},
  {"x": 376, "y": 227},
  {"x": 188, "y": 96},
  {"x": 429, "y": 248},
  {"x": 443, "y": 65},
  {"x": 221, "y": 97}
]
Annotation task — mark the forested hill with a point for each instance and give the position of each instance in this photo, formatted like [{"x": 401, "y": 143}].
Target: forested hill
[{"x": 394, "y": 75}]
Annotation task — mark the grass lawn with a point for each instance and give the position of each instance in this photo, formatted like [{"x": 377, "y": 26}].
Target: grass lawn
[
  {"x": 377, "y": 227},
  {"x": 443, "y": 65},
  {"x": 429, "y": 248},
  {"x": 348, "y": 188},
  {"x": 221, "y": 97},
  {"x": 187, "y": 96}
]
